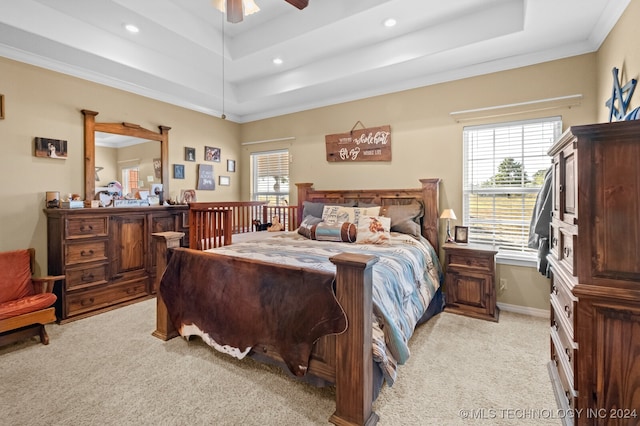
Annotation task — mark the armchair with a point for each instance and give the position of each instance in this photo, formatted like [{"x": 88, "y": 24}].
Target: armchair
[{"x": 26, "y": 302}]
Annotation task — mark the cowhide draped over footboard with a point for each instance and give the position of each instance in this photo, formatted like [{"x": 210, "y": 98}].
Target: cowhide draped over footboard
[{"x": 283, "y": 307}]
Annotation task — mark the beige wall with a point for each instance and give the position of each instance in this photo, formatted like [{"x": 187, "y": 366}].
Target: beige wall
[
  {"x": 620, "y": 50},
  {"x": 426, "y": 141},
  {"x": 47, "y": 104}
]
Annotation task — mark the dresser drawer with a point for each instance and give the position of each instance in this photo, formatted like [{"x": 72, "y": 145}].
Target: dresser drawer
[
  {"x": 92, "y": 299},
  {"x": 554, "y": 241},
  {"x": 570, "y": 394},
  {"x": 565, "y": 348},
  {"x": 86, "y": 277},
  {"x": 465, "y": 261},
  {"x": 85, "y": 227},
  {"x": 566, "y": 251},
  {"x": 91, "y": 251}
]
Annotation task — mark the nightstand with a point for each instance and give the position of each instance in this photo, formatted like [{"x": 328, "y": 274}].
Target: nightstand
[{"x": 470, "y": 275}]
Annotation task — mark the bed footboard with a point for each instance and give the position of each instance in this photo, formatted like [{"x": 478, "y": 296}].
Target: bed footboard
[{"x": 352, "y": 361}]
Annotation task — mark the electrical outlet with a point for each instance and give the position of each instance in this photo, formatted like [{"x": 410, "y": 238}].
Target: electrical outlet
[{"x": 503, "y": 285}]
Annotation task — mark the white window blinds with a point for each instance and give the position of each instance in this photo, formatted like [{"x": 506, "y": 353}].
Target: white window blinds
[
  {"x": 270, "y": 177},
  {"x": 504, "y": 167}
]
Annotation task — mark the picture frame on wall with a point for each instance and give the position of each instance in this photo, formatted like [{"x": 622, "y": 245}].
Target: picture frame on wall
[
  {"x": 231, "y": 166},
  {"x": 224, "y": 180},
  {"x": 51, "y": 148},
  {"x": 178, "y": 171},
  {"x": 462, "y": 234},
  {"x": 211, "y": 154},
  {"x": 189, "y": 154}
]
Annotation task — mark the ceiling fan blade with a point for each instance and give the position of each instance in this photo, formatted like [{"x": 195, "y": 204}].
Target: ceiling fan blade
[
  {"x": 234, "y": 11},
  {"x": 300, "y": 4}
]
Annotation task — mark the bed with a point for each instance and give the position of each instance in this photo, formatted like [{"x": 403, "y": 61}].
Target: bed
[{"x": 346, "y": 323}]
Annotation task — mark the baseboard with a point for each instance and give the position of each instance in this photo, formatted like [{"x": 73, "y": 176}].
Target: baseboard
[{"x": 525, "y": 310}]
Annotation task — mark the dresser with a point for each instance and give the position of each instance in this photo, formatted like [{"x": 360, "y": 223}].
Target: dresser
[
  {"x": 470, "y": 280},
  {"x": 594, "y": 261},
  {"x": 106, "y": 255}
]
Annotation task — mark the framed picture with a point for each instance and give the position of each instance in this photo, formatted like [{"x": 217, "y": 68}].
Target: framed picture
[
  {"x": 178, "y": 171},
  {"x": 205, "y": 177},
  {"x": 231, "y": 165},
  {"x": 157, "y": 167},
  {"x": 462, "y": 234},
  {"x": 224, "y": 180},
  {"x": 187, "y": 196},
  {"x": 52, "y": 148},
  {"x": 189, "y": 154},
  {"x": 211, "y": 154}
]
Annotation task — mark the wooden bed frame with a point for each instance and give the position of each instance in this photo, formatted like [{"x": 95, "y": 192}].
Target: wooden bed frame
[{"x": 344, "y": 359}]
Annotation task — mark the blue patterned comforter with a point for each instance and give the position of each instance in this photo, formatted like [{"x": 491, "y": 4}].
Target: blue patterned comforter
[{"x": 405, "y": 279}]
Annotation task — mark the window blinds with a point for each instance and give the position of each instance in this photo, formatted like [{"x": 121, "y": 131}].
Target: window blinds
[{"x": 504, "y": 168}]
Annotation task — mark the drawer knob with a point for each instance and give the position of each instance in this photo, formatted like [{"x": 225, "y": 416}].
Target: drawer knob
[
  {"x": 554, "y": 290},
  {"x": 86, "y": 228},
  {"x": 87, "y": 277},
  {"x": 554, "y": 241},
  {"x": 567, "y": 309},
  {"x": 567, "y": 252},
  {"x": 86, "y": 253},
  {"x": 87, "y": 302},
  {"x": 555, "y": 325},
  {"x": 568, "y": 352}
]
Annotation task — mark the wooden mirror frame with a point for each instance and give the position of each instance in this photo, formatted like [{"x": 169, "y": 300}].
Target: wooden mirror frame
[{"x": 127, "y": 129}]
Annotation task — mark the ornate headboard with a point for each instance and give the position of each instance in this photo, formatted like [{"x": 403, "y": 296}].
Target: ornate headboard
[{"x": 428, "y": 195}]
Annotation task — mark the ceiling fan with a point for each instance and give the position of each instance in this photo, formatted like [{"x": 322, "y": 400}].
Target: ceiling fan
[{"x": 235, "y": 8}]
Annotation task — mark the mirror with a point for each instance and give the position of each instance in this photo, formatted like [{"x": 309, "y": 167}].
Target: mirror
[{"x": 132, "y": 133}]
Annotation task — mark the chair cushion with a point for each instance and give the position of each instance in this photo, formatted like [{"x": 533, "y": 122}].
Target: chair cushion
[
  {"x": 15, "y": 275},
  {"x": 26, "y": 304}
]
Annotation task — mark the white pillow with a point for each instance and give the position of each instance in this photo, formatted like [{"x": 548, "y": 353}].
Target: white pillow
[
  {"x": 373, "y": 230},
  {"x": 339, "y": 214}
]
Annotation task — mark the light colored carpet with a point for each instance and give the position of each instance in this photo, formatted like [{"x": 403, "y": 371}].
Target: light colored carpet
[{"x": 109, "y": 370}]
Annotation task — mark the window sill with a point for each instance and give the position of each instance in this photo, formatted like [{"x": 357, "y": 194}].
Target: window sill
[{"x": 517, "y": 260}]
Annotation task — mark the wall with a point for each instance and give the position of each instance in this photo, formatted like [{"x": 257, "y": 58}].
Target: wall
[
  {"x": 619, "y": 50},
  {"x": 427, "y": 142},
  {"x": 48, "y": 104}
]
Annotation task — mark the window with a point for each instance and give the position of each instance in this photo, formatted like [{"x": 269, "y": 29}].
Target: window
[
  {"x": 270, "y": 177},
  {"x": 504, "y": 168},
  {"x": 129, "y": 180}
]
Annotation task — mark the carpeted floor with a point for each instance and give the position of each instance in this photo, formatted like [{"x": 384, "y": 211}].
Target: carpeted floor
[{"x": 109, "y": 370}]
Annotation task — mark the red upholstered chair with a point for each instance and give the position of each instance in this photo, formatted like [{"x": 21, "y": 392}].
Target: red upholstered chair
[{"x": 26, "y": 302}]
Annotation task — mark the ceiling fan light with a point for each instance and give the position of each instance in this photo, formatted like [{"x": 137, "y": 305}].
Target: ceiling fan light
[{"x": 249, "y": 7}]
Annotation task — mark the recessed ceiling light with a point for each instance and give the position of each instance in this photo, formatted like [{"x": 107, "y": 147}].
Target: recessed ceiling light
[
  {"x": 278, "y": 61},
  {"x": 132, "y": 28},
  {"x": 390, "y": 22}
]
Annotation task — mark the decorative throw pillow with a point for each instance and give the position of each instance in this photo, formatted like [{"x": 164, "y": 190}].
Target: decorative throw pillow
[
  {"x": 405, "y": 218},
  {"x": 333, "y": 214},
  {"x": 373, "y": 230},
  {"x": 341, "y": 232},
  {"x": 308, "y": 227},
  {"x": 315, "y": 208}
]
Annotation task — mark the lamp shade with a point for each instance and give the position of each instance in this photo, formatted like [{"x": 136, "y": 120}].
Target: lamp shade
[{"x": 448, "y": 214}]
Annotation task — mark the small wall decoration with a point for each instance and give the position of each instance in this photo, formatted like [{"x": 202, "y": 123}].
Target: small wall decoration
[
  {"x": 157, "y": 168},
  {"x": 224, "y": 180},
  {"x": 211, "y": 154},
  {"x": 1, "y": 107},
  {"x": 231, "y": 165},
  {"x": 178, "y": 171},
  {"x": 622, "y": 95},
  {"x": 52, "y": 148},
  {"x": 187, "y": 196},
  {"x": 462, "y": 234},
  {"x": 189, "y": 154},
  {"x": 368, "y": 144},
  {"x": 205, "y": 177}
]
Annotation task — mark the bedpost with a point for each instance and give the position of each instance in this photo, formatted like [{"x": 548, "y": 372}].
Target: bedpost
[
  {"x": 354, "y": 369},
  {"x": 303, "y": 193},
  {"x": 163, "y": 241},
  {"x": 431, "y": 198}
]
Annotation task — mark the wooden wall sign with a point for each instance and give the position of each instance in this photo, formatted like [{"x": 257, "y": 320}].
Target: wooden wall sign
[{"x": 371, "y": 144}]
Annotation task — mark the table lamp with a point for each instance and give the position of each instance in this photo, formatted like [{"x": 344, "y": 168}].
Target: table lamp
[{"x": 448, "y": 214}]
